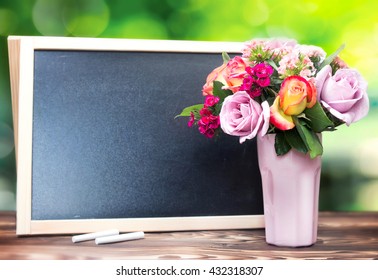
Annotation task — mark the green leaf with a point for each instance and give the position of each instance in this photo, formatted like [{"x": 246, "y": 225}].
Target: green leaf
[
  {"x": 225, "y": 57},
  {"x": 309, "y": 137},
  {"x": 276, "y": 81},
  {"x": 318, "y": 118},
  {"x": 273, "y": 64},
  {"x": 218, "y": 91},
  {"x": 331, "y": 57},
  {"x": 217, "y": 109},
  {"x": 295, "y": 140},
  {"x": 336, "y": 122},
  {"x": 280, "y": 144},
  {"x": 186, "y": 111}
]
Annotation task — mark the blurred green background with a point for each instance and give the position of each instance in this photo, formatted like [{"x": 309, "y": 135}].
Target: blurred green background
[{"x": 350, "y": 163}]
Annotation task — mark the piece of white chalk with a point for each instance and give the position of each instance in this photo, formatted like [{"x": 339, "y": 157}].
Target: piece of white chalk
[
  {"x": 94, "y": 235},
  {"x": 120, "y": 238}
]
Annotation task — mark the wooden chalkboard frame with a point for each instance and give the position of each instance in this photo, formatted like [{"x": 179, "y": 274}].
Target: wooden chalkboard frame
[{"x": 21, "y": 58}]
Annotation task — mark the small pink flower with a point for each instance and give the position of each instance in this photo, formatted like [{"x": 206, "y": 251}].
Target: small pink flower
[
  {"x": 211, "y": 100},
  {"x": 296, "y": 63},
  {"x": 250, "y": 45},
  {"x": 263, "y": 82},
  {"x": 305, "y": 73},
  {"x": 289, "y": 61},
  {"x": 251, "y": 87},
  {"x": 339, "y": 63},
  {"x": 312, "y": 51},
  {"x": 191, "y": 120},
  {"x": 275, "y": 46},
  {"x": 247, "y": 84},
  {"x": 255, "y": 92},
  {"x": 259, "y": 77},
  {"x": 205, "y": 112},
  {"x": 262, "y": 70},
  {"x": 208, "y": 124}
]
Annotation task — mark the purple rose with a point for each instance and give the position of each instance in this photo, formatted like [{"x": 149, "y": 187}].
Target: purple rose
[
  {"x": 242, "y": 116},
  {"x": 343, "y": 94}
]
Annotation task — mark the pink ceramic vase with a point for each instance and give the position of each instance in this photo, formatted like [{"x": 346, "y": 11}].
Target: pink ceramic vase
[{"x": 291, "y": 194}]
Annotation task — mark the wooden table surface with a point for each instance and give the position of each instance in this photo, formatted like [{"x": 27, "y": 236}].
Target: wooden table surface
[{"x": 340, "y": 236}]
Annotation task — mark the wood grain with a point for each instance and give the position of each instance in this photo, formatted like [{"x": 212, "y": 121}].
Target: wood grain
[{"x": 340, "y": 236}]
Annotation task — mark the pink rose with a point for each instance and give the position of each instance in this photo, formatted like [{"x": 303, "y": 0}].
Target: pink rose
[
  {"x": 343, "y": 94},
  {"x": 242, "y": 116}
]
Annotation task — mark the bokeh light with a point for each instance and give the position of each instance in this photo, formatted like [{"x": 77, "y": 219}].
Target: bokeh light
[
  {"x": 368, "y": 195},
  {"x": 6, "y": 140},
  {"x": 256, "y": 13},
  {"x": 8, "y": 21},
  {"x": 86, "y": 18},
  {"x": 140, "y": 26},
  {"x": 48, "y": 18}
]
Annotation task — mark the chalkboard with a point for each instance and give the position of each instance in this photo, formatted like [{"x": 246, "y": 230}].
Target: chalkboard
[{"x": 107, "y": 150}]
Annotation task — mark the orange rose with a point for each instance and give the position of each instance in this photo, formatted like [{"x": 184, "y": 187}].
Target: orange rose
[
  {"x": 215, "y": 75},
  {"x": 295, "y": 95},
  {"x": 230, "y": 74},
  {"x": 235, "y": 73}
]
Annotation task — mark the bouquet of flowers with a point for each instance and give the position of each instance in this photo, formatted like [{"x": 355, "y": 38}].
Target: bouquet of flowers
[{"x": 281, "y": 87}]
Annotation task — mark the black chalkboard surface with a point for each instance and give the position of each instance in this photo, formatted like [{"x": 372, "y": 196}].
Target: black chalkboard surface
[{"x": 105, "y": 144}]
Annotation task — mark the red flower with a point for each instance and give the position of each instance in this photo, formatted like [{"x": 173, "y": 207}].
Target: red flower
[
  {"x": 211, "y": 100},
  {"x": 205, "y": 112},
  {"x": 251, "y": 87},
  {"x": 191, "y": 120},
  {"x": 259, "y": 77},
  {"x": 208, "y": 124},
  {"x": 262, "y": 70}
]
